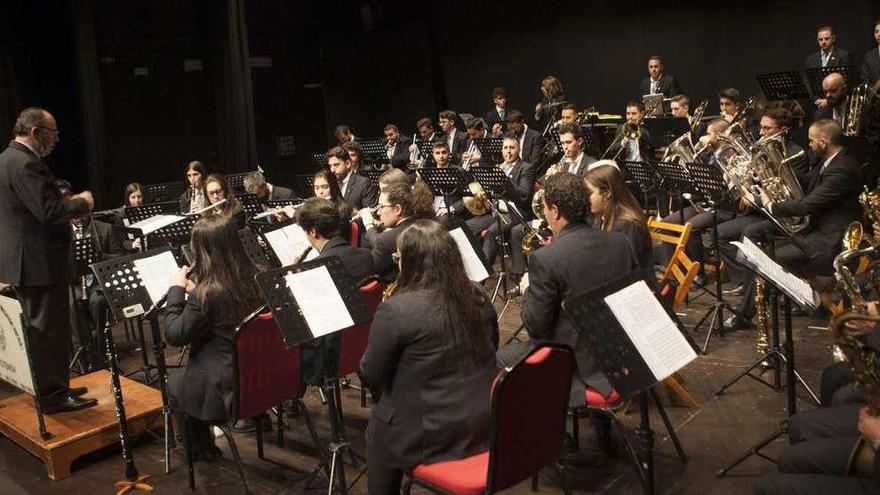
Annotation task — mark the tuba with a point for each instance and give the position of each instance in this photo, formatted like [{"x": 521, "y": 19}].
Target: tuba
[
  {"x": 774, "y": 175},
  {"x": 532, "y": 234}
]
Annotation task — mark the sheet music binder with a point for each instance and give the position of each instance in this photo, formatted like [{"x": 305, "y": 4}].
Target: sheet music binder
[
  {"x": 475, "y": 243},
  {"x": 817, "y": 74},
  {"x": 135, "y": 214},
  {"x": 166, "y": 191},
  {"x": 787, "y": 85},
  {"x": 286, "y": 310},
  {"x": 773, "y": 279},
  {"x": 445, "y": 181},
  {"x": 611, "y": 347},
  {"x": 123, "y": 285}
]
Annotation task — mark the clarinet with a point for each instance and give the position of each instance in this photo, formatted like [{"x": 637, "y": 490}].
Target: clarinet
[{"x": 131, "y": 471}]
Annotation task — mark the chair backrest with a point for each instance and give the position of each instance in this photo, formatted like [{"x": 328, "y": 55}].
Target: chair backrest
[
  {"x": 355, "y": 239},
  {"x": 529, "y": 404},
  {"x": 670, "y": 233},
  {"x": 354, "y": 339},
  {"x": 683, "y": 270},
  {"x": 266, "y": 371}
]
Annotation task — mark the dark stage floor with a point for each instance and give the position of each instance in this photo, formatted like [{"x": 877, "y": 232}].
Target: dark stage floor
[{"x": 712, "y": 435}]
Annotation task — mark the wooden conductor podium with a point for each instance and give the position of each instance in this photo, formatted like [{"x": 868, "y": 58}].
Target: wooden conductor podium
[{"x": 78, "y": 433}]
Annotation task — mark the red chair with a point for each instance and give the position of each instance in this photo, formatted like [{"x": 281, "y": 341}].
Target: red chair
[
  {"x": 354, "y": 340},
  {"x": 355, "y": 239},
  {"x": 267, "y": 373},
  {"x": 534, "y": 392}
]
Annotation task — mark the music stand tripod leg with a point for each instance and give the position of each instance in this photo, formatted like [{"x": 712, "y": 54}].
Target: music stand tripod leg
[
  {"x": 162, "y": 376},
  {"x": 669, "y": 427}
]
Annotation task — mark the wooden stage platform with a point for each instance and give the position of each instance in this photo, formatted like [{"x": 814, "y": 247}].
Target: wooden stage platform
[{"x": 79, "y": 432}]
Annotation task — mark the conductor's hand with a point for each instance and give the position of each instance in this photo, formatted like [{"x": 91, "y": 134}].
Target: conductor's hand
[
  {"x": 869, "y": 426},
  {"x": 87, "y": 197}
]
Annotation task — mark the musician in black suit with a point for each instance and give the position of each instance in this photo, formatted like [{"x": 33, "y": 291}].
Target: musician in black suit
[
  {"x": 658, "y": 81},
  {"x": 203, "y": 314},
  {"x": 255, "y": 183},
  {"x": 495, "y": 118},
  {"x": 425, "y": 128},
  {"x": 320, "y": 221},
  {"x": 395, "y": 212},
  {"x": 633, "y": 151},
  {"x": 430, "y": 353},
  {"x": 396, "y": 147},
  {"x": 476, "y": 129},
  {"x": 871, "y": 60},
  {"x": 194, "y": 198},
  {"x": 343, "y": 135},
  {"x": 457, "y": 141},
  {"x": 530, "y": 141},
  {"x": 356, "y": 189},
  {"x": 34, "y": 253},
  {"x": 574, "y": 160},
  {"x": 579, "y": 259},
  {"x": 522, "y": 181},
  {"x": 837, "y": 108},
  {"x": 832, "y": 202},
  {"x": 828, "y": 55}
]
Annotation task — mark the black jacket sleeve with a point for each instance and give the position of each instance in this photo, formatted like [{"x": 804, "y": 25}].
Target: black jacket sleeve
[
  {"x": 185, "y": 321},
  {"x": 34, "y": 186}
]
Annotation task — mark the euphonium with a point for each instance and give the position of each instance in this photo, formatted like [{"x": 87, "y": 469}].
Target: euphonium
[
  {"x": 774, "y": 175},
  {"x": 477, "y": 204},
  {"x": 870, "y": 199},
  {"x": 532, "y": 234}
]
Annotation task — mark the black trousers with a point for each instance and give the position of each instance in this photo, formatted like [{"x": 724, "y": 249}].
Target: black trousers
[
  {"x": 734, "y": 230},
  {"x": 382, "y": 479},
  {"x": 47, "y": 310},
  {"x": 699, "y": 222}
]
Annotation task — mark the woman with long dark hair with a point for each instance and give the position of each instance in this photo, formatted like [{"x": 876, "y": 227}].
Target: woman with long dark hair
[
  {"x": 431, "y": 353},
  {"x": 616, "y": 210},
  {"x": 194, "y": 198},
  {"x": 221, "y": 293},
  {"x": 325, "y": 186},
  {"x": 217, "y": 190}
]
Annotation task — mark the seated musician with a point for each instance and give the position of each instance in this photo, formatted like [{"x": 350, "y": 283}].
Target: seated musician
[
  {"x": 89, "y": 315},
  {"x": 217, "y": 190},
  {"x": 547, "y": 109},
  {"x": 449, "y": 208},
  {"x": 194, "y": 198},
  {"x": 730, "y": 103},
  {"x": 425, "y": 128},
  {"x": 530, "y": 141},
  {"x": 395, "y": 212},
  {"x": 430, "y": 353},
  {"x": 206, "y": 319},
  {"x": 476, "y": 129},
  {"x": 320, "y": 221},
  {"x": 255, "y": 183},
  {"x": 776, "y": 121},
  {"x": 866, "y": 126},
  {"x": 633, "y": 151},
  {"x": 575, "y": 160},
  {"x": 356, "y": 189},
  {"x": 522, "y": 180},
  {"x": 871, "y": 61},
  {"x": 396, "y": 146},
  {"x": 831, "y": 200},
  {"x": 132, "y": 196},
  {"x": 355, "y": 154},
  {"x": 343, "y": 135},
  {"x": 367, "y": 216},
  {"x": 456, "y": 140},
  {"x": 616, "y": 210},
  {"x": 495, "y": 117}
]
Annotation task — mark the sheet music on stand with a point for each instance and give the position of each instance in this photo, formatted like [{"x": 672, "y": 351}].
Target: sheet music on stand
[
  {"x": 796, "y": 288},
  {"x": 135, "y": 214},
  {"x": 236, "y": 182},
  {"x": 632, "y": 338},
  {"x": 312, "y": 299},
  {"x": 287, "y": 241},
  {"x": 134, "y": 283},
  {"x": 490, "y": 148},
  {"x": 475, "y": 264},
  {"x": 371, "y": 174},
  {"x": 817, "y": 74},
  {"x": 374, "y": 152},
  {"x": 166, "y": 191},
  {"x": 640, "y": 172},
  {"x": 787, "y": 85},
  {"x": 321, "y": 160},
  {"x": 445, "y": 181}
]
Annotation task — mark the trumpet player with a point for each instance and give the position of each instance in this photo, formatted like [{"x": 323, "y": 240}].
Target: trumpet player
[
  {"x": 831, "y": 200},
  {"x": 495, "y": 118},
  {"x": 456, "y": 140},
  {"x": 476, "y": 129},
  {"x": 396, "y": 146},
  {"x": 522, "y": 178},
  {"x": 426, "y": 132}
]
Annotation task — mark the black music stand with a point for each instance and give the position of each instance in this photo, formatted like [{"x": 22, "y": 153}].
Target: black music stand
[
  {"x": 236, "y": 182},
  {"x": 664, "y": 130},
  {"x": 498, "y": 189},
  {"x": 785, "y": 354},
  {"x": 642, "y": 175},
  {"x": 175, "y": 234},
  {"x": 709, "y": 183},
  {"x": 124, "y": 288},
  {"x": 445, "y": 181},
  {"x": 250, "y": 203},
  {"x": 490, "y": 149},
  {"x": 788, "y": 85},
  {"x": 321, "y": 161},
  {"x": 85, "y": 252},
  {"x": 304, "y": 185},
  {"x": 372, "y": 174},
  {"x": 167, "y": 191},
  {"x": 375, "y": 153},
  {"x": 426, "y": 148},
  {"x": 295, "y": 330},
  {"x": 622, "y": 364},
  {"x": 260, "y": 255},
  {"x": 135, "y": 214},
  {"x": 817, "y": 74}
]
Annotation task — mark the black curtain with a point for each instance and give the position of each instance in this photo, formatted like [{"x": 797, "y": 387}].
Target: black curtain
[
  {"x": 9, "y": 97},
  {"x": 238, "y": 143}
]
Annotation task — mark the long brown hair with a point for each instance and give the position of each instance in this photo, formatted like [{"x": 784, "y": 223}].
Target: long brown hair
[
  {"x": 231, "y": 206},
  {"x": 225, "y": 284},
  {"x": 619, "y": 201},
  {"x": 430, "y": 262}
]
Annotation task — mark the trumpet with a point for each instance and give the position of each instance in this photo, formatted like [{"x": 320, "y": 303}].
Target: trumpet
[{"x": 415, "y": 161}]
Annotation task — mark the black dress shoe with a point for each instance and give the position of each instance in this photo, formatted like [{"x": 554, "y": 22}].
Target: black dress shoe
[
  {"x": 77, "y": 391},
  {"x": 736, "y": 291},
  {"x": 68, "y": 403},
  {"x": 735, "y": 323}
]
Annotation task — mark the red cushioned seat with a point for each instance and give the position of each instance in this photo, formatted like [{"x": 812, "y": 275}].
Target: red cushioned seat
[
  {"x": 461, "y": 476},
  {"x": 595, "y": 399}
]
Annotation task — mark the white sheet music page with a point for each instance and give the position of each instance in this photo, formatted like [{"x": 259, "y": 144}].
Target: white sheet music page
[
  {"x": 797, "y": 287},
  {"x": 277, "y": 240},
  {"x": 299, "y": 241},
  {"x": 475, "y": 269},
  {"x": 650, "y": 329},
  {"x": 156, "y": 272},
  {"x": 155, "y": 223},
  {"x": 319, "y": 300}
]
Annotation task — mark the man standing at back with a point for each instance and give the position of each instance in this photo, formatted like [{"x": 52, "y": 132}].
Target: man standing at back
[{"x": 35, "y": 228}]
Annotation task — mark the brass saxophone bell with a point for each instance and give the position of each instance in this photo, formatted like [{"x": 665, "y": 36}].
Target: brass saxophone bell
[{"x": 852, "y": 237}]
